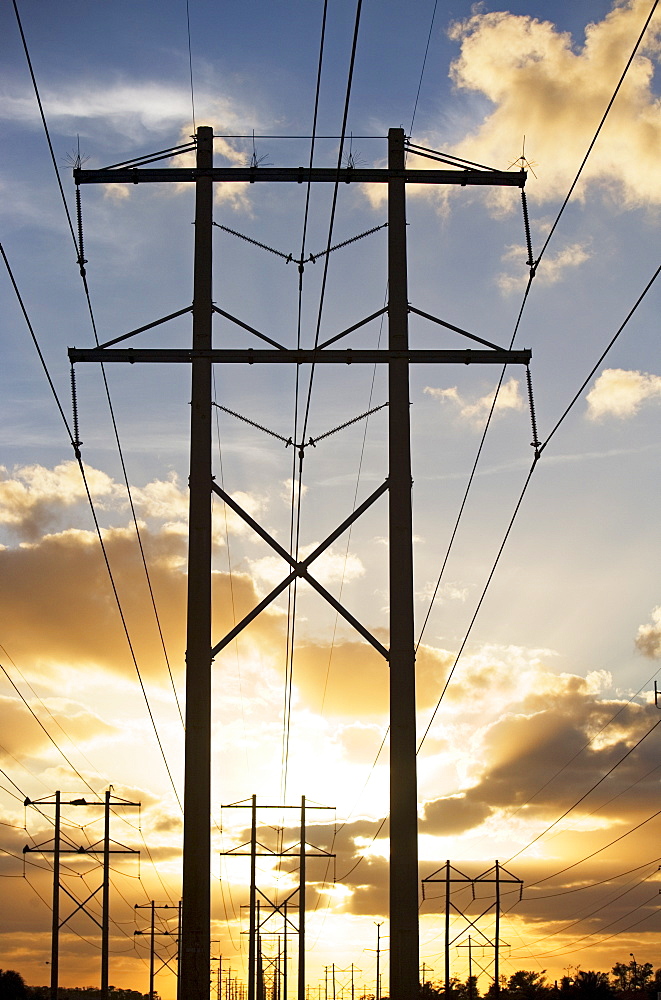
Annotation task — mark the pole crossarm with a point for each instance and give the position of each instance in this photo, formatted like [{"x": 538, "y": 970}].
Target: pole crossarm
[
  {"x": 301, "y": 175},
  {"x": 350, "y": 356},
  {"x": 299, "y": 569}
]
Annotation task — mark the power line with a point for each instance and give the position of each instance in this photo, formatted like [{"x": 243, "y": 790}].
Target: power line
[
  {"x": 424, "y": 63},
  {"x": 78, "y": 244},
  {"x": 602, "y": 356},
  {"x": 585, "y": 794},
  {"x": 600, "y": 850},
  {"x": 596, "y": 135},
  {"x": 190, "y": 65},
  {"x": 95, "y": 520},
  {"x": 41, "y": 725}
]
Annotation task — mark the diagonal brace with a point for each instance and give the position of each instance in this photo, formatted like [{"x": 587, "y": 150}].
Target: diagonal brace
[
  {"x": 299, "y": 569},
  {"x": 457, "y": 329},
  {"x": 149, "y": 326},
  {"x": 244, "y": 326}
]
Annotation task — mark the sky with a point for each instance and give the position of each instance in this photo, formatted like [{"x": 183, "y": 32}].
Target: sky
[{"x": 539, "y": 642}]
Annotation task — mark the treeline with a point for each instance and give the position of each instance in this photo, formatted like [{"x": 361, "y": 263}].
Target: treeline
[
  {"x": 82, "y": 993},
  {"x": 626, "y": 981},
  {"x": 13, "y": 987}
]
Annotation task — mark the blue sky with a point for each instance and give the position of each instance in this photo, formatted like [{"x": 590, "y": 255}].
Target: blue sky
[{"x": 569, "y": 633}]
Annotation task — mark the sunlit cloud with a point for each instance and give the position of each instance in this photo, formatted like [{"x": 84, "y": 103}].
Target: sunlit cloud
[
  {"x": 509, "y": 398},
  {"x": 329, "y": 567},
  {"x": 554, "y": 269},
  {"x": 531, "y": 73},
  {"x": 621, "y": 393},
  {"x": 130, "y": 108},
  {"x": 648, "y": 638},
  {"x": 33, "y": 498}
]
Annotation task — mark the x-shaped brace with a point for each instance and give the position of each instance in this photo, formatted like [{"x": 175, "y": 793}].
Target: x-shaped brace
[{"x": 300, "y": 569}]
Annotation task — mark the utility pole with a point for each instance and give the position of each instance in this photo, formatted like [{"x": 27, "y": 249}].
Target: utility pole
[
  {"x": 153, "y": 933},
  {"x": 404, "y": 946},
  {"x": 256, "y": 923},
  {"x": 401, "y": 654},
  {"x": 194, "y": 947},
  {"x": 491, "y": 875},
  {"x": 102, "y": 847}
]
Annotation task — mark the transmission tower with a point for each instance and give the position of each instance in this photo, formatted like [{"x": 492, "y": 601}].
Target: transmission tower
[
  {"x": 258, "y": 897},
  {"x": 498, "y": 875},
  {"x": 62, "y": 845},
  {"x": 153, "y": 906},
  {"x": 201, "y": 649}
]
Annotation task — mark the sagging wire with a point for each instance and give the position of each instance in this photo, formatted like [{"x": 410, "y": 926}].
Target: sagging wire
[{"x": 301, "y": 261}]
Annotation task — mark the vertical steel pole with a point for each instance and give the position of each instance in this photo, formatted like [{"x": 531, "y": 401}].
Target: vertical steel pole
[
  {"x": 284, "y": 954},
  {"x": 447, "y": 930},
  {"x": 195, "y": 951},
  {"x": 151, "y": 954},
  {"x": 470, "y": 968},
  {"x": 55, "y": 937},
  {"x": 403, "y": 783},
  {"x": 252, "y": 936},
  {"x": 179, "y": 952},
  {"x": 497, "y": 941},
  {"x": 105, "y": 900},
  {"x": 301, "y": 907}
]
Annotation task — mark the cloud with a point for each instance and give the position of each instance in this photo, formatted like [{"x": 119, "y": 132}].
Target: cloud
[
  {"x": 52, "y": 589},
  {"x": 547, "y": 739},
  {"x": 131, "y": 108},
  {"x": 452, "y": 815},
  {"x": 648, "y": 639},
  {"x": 33, "y": 498},
  {"x": 554, "y": 270},
  {"x": 509, "y": 398},
  {"x": 329, "y": 567},
  {"x": 542, "y": 85},
  {"x": 621, "y": 393}
]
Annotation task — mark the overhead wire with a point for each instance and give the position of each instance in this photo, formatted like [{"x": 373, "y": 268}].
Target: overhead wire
[
  {"x": 104, "y": 778},
  {"x": 85, "y": 482},
  {"x": 190, "y": 65},
  {"x": 538, "y": 454},
  {"x": 585, "y": 794},
  {"x": 78, "y": 245},
  {"x": 296, "y": 485},
  {"x": 534, "y": 264},
  {"x": 74, "y": 442},
  {"x": 598, "y": 131},
  {"x": 43, "y": 728}
]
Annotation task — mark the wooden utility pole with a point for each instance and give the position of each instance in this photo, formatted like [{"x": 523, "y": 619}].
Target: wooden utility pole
[{"x": 195, "y": 952}]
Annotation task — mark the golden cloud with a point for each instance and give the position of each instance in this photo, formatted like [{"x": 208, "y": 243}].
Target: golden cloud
[
  {"x": 546, "y": 88},
  {"x": 620, "y": 393},
  {"x": 509, "y": 398},
  {"x": 648, "y": 639},
  {"x": 59, "y": 606}
]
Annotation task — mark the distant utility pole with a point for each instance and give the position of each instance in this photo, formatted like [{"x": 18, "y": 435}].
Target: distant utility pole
[
  {"x": 153, "y": 933},
  {"x": 195, "y": 952},
  {"x": 103, "y": 847},
  {"x": 448, "y": 875},
  {"x": 256, "y": 921}
]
